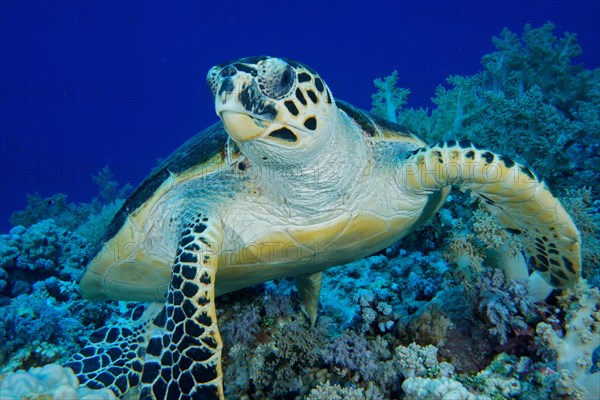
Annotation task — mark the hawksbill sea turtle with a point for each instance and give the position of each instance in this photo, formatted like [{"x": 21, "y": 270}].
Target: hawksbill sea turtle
[{"x": 289, "y": 183}]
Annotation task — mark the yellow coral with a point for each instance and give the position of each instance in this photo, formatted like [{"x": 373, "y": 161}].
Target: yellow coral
[
  {"x": 491, "y": 234},
  {"x": 465, "y": 255}
]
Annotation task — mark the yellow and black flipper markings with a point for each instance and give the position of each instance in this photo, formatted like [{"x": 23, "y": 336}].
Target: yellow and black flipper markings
[
  {"x": 183, "y": 357},
  {"x": 512, "y": 192}
]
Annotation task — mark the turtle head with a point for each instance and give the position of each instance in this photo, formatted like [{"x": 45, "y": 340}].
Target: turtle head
[{"x": 270, "y": 101}]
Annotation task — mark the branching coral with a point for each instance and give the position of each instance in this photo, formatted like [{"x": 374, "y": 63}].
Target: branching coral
[
  {"x": 478, "y": 240},
  {"x": 349, "y": 353},
  {"x": 108, "y": 187},
  {"x": 282, "y": 352},
  {"x": 284, "y": 364},
  {"x": 347, "y": 292},
  {"x": 243, "y": 327},
  {"x": 506, "y": 306},
  {"x": 389, "y": 99}
]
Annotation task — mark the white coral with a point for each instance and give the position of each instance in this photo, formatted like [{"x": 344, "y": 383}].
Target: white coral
[
  {"x": 574, "y": 350},
  {"x": 52, "y": 379},
  {"x": 417, "y": 388},
  {"x": 414, "y": 360},
  {"x": 336, "y": 392},
  {"x": 508, "y": 387}
]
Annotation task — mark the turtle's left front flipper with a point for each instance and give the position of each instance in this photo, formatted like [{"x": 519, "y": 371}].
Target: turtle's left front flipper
[
  {"x": 512, "y": 192},
  {"x": 183, "y": 357}
]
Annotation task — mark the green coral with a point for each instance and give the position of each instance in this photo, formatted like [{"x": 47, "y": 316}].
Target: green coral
[
  {"x": 56, "y": 207},
  {"x": 109, "y": 188},
  {"x": 93, "y": 229},
  {"x": 389, "y": 98}
]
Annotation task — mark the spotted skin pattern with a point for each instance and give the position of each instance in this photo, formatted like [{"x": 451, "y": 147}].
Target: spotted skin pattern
[
  {"x": 183, "y": 357},
  {"x": 513, "y": 193},
  {"x": 113, "y": 357}
]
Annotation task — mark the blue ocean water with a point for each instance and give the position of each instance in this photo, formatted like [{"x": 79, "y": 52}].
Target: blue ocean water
[{"x": 89, "y": 84}]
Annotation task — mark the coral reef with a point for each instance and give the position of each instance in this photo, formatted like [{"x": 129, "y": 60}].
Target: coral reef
[
  {"x": 48, "y": 325},
  {"x": 42, "y": 250},
  {"x": 279, "y": 354}
]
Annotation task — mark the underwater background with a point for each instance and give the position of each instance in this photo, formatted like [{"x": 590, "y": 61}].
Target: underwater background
[{"x": 92, "y": 94}]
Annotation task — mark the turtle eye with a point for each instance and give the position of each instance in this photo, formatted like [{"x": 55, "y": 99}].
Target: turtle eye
[
  {"x": 278, "y": 82},
  {"x": 286, "y": 79}
]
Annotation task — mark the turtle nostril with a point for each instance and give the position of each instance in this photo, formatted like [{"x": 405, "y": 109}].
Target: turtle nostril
[{"x": 228, "y": 71}]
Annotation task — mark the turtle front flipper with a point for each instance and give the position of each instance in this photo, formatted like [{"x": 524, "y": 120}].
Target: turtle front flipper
[
  {"x": 114, "y": 356},
  {"x": 183, "y": 357},
  {"x": 522, "y": 202}
]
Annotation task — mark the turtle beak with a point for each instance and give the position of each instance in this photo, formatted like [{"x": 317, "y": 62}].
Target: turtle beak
[
  {"x": 237, "y": 121},
  {"x": 241, "y": 126},
  {"x": 236, "y": 97}
]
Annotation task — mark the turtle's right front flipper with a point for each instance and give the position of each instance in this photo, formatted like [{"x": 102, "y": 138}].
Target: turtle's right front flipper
[
  {"x": 512, "y": 192},
  {"x": 183, "y": 357}
]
